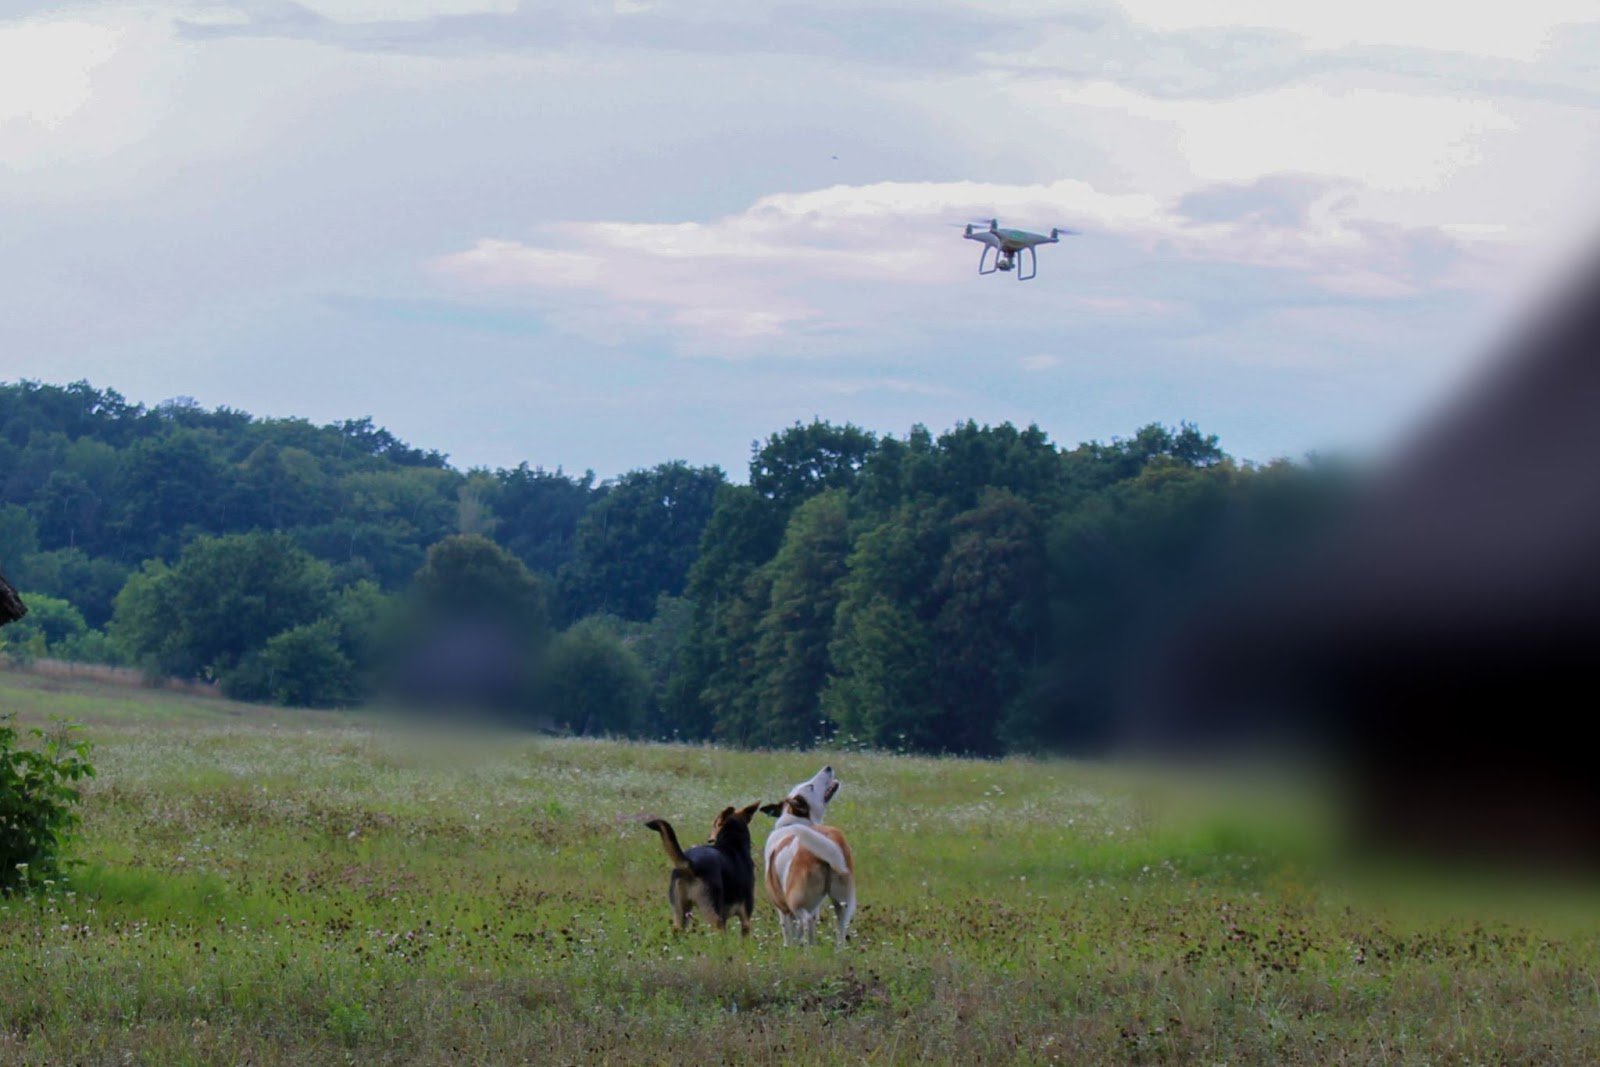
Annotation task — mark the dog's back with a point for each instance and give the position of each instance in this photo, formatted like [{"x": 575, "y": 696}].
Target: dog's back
[
  {"x": 807, "y": 863},
  {"x": 727, "y": 864},
  {"x": 719, "y": 878}
]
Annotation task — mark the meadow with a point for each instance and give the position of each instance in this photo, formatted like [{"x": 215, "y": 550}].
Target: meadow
[{"x": 267, "y": 886}]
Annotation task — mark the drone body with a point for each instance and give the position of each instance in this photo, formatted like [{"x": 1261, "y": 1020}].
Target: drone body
[{"x": 1009, "y": 247}]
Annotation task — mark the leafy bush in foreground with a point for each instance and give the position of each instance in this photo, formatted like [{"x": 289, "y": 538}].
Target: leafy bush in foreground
[{"x": 37, "y": 797}]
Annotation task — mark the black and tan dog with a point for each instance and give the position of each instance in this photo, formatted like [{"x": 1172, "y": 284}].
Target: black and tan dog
[{"x": 720, "y": 878}]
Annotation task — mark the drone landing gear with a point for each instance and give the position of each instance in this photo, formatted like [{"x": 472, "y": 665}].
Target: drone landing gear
[
  {"x": 1006, "y": 260},
  {"x": 1033, "y": 264}
]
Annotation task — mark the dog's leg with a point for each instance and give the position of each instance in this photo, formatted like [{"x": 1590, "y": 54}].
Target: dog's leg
[
  {"x": 844, "y": 908},
  {"x": 744, "y": 920},
  {"x": 675, "y": 899}
]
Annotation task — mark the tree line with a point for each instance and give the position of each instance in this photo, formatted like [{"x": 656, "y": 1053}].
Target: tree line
[{"x": 981, "y": 590}]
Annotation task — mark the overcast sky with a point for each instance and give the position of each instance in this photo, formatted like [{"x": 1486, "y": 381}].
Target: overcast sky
[{"x": 604, "y": 233}]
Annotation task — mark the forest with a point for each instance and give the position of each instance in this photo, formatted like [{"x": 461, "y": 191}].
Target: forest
[{"x": 981, "y": 590}]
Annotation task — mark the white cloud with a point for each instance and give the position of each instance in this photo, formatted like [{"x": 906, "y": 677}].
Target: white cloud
[
  {"x": 75, "y": 90},
  {"x": 1039, "y": 363},
  {"x": 852, "y": 263},
  {"x": 47, "y": 68},
  {"x": 1388, "y": 140},
  {"x": 404, "y": 10},
  {"x": 1508, "y": 30}
]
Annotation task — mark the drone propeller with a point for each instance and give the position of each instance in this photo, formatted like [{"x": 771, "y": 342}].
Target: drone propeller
[{"x": 1064, "y": 231}]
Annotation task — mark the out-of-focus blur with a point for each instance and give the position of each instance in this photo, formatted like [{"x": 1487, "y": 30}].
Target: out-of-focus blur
[{"x": 1430, "y": 642}]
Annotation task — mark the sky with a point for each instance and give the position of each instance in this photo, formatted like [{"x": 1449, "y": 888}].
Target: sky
[{"x": 600, "y": 234}]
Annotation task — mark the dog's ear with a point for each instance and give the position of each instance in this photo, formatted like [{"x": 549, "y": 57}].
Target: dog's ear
[
  {"x": 832, "y": 789},
  {"x": 745, "y": 814},
  {"x": 798, "y": 806},
  {"x": 772, "y": 809}
]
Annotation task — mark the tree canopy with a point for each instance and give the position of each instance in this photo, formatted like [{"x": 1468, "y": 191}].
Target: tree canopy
[{"x": 979, "y": 590}]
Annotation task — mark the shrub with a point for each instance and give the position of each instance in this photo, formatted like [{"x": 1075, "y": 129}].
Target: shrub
[
  {"x": 594, "y": 682},
  {"x": 37, "y": 798},
  {"x": 50, "y": 623},
  {"x": 303, "y": 667}
]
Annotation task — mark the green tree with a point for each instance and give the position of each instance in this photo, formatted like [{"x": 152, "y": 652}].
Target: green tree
[
  {"x": 474, "y": 513},
  {"x": 883, "y": 694},
  {"x": 1119, "y": 563},
  {"x": 50, "y": 624},
  {"x": 469, "y": 576},
  {"x": 1094, "y": 466},
  {"x": 537, "y": 514},
  {"x": 791, "y": 640},
  {"x": 19, "y": 538},
  {"x": 224, "y": 598},
  {"x": 90, "y": 582},
  {"x": 305, "y": 667},
  {"x": 277, "y": 488},
  {"x": 990, "y": 626},
  {"x": 639, "y": 541},
  {"x": 173, "y": 484},
  {"x": 797, "y": 463},
  {"x": 384, "y": 552},
  {"x": 883, "y": 650},
  {"x": 743, "y": 532},
  {"x": 594, "y": 682}
]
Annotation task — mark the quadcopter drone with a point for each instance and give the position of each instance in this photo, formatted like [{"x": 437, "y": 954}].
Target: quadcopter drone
[{"x": 1008, "y": 247}]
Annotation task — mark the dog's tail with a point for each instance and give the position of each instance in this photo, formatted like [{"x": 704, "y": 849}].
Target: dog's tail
[
  {"x": 823, "y": 847},
  {"x": 669, "y": 842}
]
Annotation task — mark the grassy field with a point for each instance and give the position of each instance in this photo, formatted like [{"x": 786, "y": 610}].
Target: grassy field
[{"x": 272, "y": 887}]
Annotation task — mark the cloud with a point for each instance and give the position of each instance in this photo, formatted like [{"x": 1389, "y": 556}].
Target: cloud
[
  {"x": 1385, "y": 139},
  {"x": 1039, "y": 363},
  {"x": 852, "y": 262},
  {"x": 46, "y": 68},
  {"x": 1513, "y": 31},
  {"x": 404, "y": 10},
  {"x": 299, "y": 206},
  {"x": 887, "y": 32}
]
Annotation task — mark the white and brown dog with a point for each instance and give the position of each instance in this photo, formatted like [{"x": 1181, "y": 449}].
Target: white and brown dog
[{"x": 807, "y": 862}]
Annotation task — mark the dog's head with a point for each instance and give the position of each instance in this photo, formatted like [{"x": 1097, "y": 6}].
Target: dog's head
[
  {"x": 727, "y": 815},
  {"x": 733, "y": 823},
  {"x": 813, "y": 795}
]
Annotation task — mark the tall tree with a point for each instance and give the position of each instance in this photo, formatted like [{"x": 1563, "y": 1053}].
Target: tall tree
[
  {"x": 805, "y": 459},
  {"x": 639, "y": 541},
  {"x": 173, "y": 487},
  {"x": 990, "y": 630},
  {"x": 883, "y": 649},
  {"x": 470, "y": 577},
  {"x": 791, "y": 639},
  {"x": 537, "y": 513}
]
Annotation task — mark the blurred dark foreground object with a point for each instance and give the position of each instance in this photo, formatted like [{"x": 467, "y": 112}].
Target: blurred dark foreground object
[
  {"x": 11, "y": 606},
  {"x": 1438, "y": 647}
]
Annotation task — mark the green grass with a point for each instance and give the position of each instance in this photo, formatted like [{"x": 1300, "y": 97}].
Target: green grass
[{"x": 274, "y": 887}]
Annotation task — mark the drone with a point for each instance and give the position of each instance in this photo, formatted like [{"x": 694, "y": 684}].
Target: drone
[{"x": 1008, "y": 247}]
